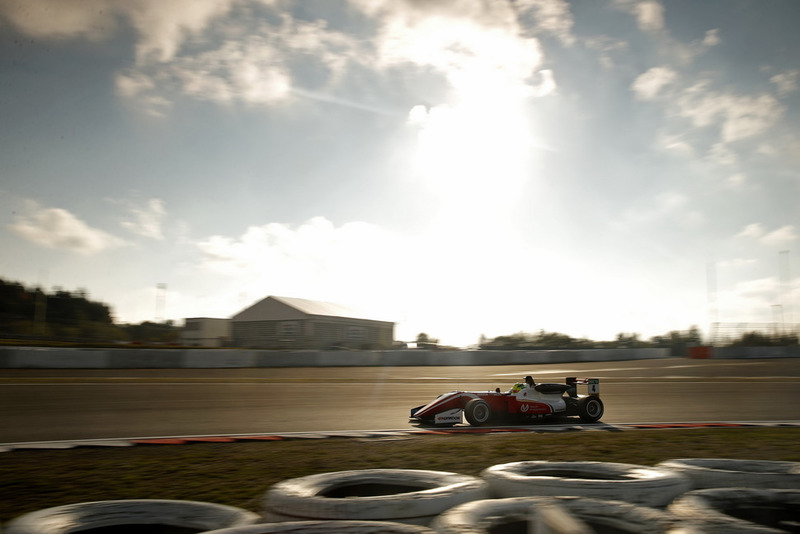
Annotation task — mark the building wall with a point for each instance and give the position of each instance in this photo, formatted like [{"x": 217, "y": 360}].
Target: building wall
[
  {"x": 206, "y": 332},
  {"x": 271, "y": 334},
  {"x": 318, "y": 333}
]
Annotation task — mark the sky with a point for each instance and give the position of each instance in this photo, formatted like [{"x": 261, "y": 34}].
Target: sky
[{"x": 464, "y": 168}]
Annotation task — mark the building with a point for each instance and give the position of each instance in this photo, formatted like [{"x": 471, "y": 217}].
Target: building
[
  {"x": 206, "y": 332},
  {"x": 291, "y": 323}
]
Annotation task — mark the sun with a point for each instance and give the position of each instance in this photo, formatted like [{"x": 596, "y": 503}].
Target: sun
[{"x": 476, "y": 149}]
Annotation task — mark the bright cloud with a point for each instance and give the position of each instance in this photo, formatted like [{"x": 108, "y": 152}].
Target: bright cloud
[
  {"x": 738, "y": 116},
  {"x": 779, "y": 237},
  {"x": 648, "y": 85},
  {"x": 59, "y": 229},
  {"x": 649, "y": 15},
  {"x": 786, "y": 82},
  {"x": 314, "y": 258}
]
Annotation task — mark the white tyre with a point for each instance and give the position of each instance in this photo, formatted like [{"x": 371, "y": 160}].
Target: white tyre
[
  {"x": 401, "y": 495},
  {"x": 635, "y": 484},
  {"x": 328, "y": 527},
  {"x": 736, "y": 510},
  {"x": 71, "y": 518},
  {"x": 519, "y": 514},
  {"x": 727, "y": 473}
]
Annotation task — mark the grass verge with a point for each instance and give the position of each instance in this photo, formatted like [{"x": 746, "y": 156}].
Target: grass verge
[{"x": 238, "y": 474}]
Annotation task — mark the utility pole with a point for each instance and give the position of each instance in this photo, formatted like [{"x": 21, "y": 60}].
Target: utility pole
[
  {"x": 713, "y": 311},
  {"x": 161, "y": 297},
  {"x": 785, "y": 269}
]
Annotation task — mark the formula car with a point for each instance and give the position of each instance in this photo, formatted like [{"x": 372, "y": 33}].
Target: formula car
[{"x": 525, "y": 402}]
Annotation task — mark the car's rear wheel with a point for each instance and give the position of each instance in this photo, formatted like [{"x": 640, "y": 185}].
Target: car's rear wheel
[
  {"x": 477, "y": 412},
  {"x": 590, "y": 409}
]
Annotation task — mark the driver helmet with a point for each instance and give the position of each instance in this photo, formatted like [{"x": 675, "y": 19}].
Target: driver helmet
[
  {"x": 517, "y": 387},
  {"x": 529, "y": 380}
]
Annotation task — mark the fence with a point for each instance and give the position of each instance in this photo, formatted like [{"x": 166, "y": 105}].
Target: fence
[{"x": 726, "y": 333}]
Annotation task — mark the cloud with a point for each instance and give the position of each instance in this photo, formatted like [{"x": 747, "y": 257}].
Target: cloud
[
  {"x": 165, "y": 25},
  {"x": 754, "y": 230},
  {"x": 778, "y": 237},
  {"x": 550, "y": 16},
  {"x": 62, "y": 19},
  {"x": 59, "y": 229},
  {"x": 250, "y": 70},
  {"x": 649, "y": 15},
  {"x": 711, "y": 38},
  {"x": 237, "y": 58},
  {"x": 781, "y": 236},
  {"x": 256, "y": 63},
  {"x": 162, "y": 26},
  {"x": 737, "y": 116},
  {"x": 786, "y": 82},
  {"x": 310, "y": 258},
  {"x": 147, "y": 221},
  {"x": 465, "y": 44},
  {"x": 647, "y": 86}
]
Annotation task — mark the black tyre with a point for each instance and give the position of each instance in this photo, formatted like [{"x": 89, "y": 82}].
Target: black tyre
[
  {"x": 590, "y": 409},
  {"x": 477, "y": 412}
]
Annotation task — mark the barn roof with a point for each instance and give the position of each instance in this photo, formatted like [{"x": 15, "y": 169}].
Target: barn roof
[{"x": 307, "y": 307}]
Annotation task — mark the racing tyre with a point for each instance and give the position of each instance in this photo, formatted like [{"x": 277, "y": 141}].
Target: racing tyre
[
  {"x": 739, "y": 510},
  {"x": 726, "y": 473},
  {"x": 400, "y": 495},
  {"x": 147, "y": 514},
  {"x": 528, "y": 514},
  {"x": 328, "y": 527},
  {"x": 590, "y": 409},
  {"x": 477, "y": 412},
  {"x": 635, "y": 484}
]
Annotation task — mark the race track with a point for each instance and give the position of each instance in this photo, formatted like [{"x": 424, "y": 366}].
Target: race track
[{"x": 45, "y": 405}]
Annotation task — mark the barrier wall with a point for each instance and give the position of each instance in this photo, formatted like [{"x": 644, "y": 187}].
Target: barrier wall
[{"x": 72, "y": 358}]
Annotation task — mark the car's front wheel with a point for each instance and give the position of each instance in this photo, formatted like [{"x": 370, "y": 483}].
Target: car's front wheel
[
  {"x": 590, "y": 409},
  {"x": 477, "y": 412}
]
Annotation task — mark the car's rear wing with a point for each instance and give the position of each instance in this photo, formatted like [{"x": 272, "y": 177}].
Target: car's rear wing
[{"x": 593, "y": 384}]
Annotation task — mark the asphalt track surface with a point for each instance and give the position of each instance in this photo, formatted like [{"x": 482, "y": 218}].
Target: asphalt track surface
[{"x": 48, "y": 405}]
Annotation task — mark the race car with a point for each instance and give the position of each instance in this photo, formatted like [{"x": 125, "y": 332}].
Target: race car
[{"x": 525, "y": 402}]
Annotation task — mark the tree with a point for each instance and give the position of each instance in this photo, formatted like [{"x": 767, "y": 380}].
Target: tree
[{"x": 424, "y": 341}]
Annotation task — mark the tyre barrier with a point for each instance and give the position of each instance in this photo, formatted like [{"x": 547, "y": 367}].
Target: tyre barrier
[
  {"x": 739, "y": 510},
  {"x": 526, "y": 514},
  {"x": 635, "y": 484},
  {"x": 328, "y": 527},
  {"x": 727, "y": 473},
  {"x": 400, "y": 495},
  {"x": 144, "y": 515}
]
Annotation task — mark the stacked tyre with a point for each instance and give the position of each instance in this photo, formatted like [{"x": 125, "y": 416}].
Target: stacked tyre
[
  {"x": 634, "y": 484},
  {"x": 397, "y": 495},
  {"x": 553, "y": 514},
  {"x": 152, "y": 515}
]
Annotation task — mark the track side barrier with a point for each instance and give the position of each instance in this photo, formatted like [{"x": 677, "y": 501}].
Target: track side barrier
[{"x": 177, "y": 358}]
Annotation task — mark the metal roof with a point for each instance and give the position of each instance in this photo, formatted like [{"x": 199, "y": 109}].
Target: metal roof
[{"x": 315, "y": 307}]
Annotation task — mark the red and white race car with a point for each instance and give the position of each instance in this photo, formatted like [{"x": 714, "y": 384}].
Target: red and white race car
[{"x": 524, "y": 402}]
